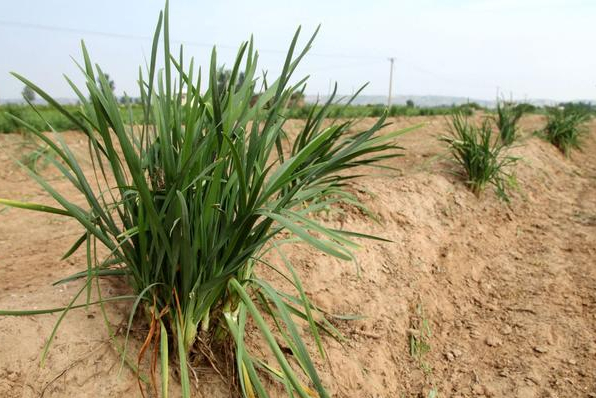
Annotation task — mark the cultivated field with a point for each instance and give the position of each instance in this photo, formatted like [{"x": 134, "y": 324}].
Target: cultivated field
[{"x": 473, "y": 297}]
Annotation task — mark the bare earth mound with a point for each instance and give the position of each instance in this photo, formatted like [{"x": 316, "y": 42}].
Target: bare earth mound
[{"x": 492, "y": 299}]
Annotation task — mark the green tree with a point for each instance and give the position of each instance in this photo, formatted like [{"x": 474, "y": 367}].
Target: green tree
[
  {"x": 111, "y": 83},
  {"x": 223, "y": 79},
  {"x": 28, "y": 94}
]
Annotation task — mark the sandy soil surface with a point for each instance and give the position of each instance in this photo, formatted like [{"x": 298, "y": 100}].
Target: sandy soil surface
[{"x": 501, "y": 298}]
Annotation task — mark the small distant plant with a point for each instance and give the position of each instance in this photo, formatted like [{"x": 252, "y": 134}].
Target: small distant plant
[
  {"x": 508, "y": 115},
  {"x": 564, "y": 128},
  {"x": 34, "y": 155},
  {"x": 420, "y": 335},
  {"x": 464, "y": 109},
  {"x": 481, "y": 156}
]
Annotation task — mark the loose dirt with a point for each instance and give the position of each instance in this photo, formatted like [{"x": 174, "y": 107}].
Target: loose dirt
[{"x": 473, "y": 297}]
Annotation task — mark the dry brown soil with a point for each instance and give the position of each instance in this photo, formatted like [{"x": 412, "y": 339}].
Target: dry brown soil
[{"x": 508, "y": 291}]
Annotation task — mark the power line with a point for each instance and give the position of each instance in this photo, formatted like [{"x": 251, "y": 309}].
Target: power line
[
  {"x": 186, "y": 42},
  {"x": 342, "y": 66},
  {"x": 70, "y": 30},
  {"x": 370, "y": 58}
]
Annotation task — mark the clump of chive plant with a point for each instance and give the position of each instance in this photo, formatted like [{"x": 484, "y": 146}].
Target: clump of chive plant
[
  {"x": 508, "y": 115},
  {"x": 188, "y": 202},
  {"x": 564, "y": 128},
  {"x": 482, "y": 158}
]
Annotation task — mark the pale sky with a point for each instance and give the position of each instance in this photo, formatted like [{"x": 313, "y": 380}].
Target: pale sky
[{"x": 468, "y": 48}]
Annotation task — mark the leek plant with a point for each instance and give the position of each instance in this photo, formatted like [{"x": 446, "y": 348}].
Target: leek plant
[
  {"x": 481, "y": 157},
  {"x": 188, "y": 202},
  {"x": 508, "y": 115},
  {"x": 564, "y": 128}
]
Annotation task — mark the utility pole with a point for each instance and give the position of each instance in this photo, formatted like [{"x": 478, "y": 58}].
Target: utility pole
[{"x": 391, "y": 60}]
